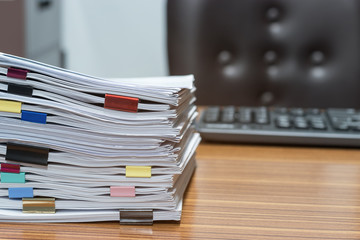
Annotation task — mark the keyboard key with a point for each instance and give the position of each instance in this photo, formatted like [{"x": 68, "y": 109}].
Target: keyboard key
[
  {"x": 261, "y": 115},
  {"x": 341, "y": 126},
  {"x": 341, "y": 111},
  {"x": 227, "y": 118},
  {"x": 341, "y": 119},
  {"x": 245, "y": 115},
  {"x": 283, "y": 124},
  {"x": 313, "y": 111},
  {"x": 262, "y": 120},
  {"x": 300, "y": 123},
  {"x": 210, "y": 118},
  {"x": 300, "y": 119},
  {"x": 297, "y": 111},
  {"x": 213, "y": 109},
  {"x": 228, "y": 114},
  {"x": 283, "y": 118},
  {"x": 281, "y": 110},
  {"x": 283, "y": 121},
  {"x": 229, "y": 109},
  {"x": 318, "y": 125},
  {"x": 212, "y": 114},
  {"x": 316, "y": 119}
]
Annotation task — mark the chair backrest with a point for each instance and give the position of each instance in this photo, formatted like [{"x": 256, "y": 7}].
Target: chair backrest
[{"x": 268, "y": 52}]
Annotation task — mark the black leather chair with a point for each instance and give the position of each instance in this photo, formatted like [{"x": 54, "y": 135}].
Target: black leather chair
[{"x": 268, "y": 52}]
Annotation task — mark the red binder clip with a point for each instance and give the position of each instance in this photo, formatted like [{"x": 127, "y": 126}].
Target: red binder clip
[
  {"x": 10, "y": 168},
  {"x": 121, "y": 103},
  {"x": 17, "y": 73}
]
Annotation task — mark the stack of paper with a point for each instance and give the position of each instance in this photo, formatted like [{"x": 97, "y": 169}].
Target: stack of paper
[{"x": 75, "y": 148}]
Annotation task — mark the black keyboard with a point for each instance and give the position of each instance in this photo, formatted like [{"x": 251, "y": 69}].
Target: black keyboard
[{"x": 323, "y": 127}]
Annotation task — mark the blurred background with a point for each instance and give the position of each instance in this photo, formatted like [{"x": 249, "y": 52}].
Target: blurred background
[
  {"x": 112, "y": 38},
  {"x": 287, "y": 53}
]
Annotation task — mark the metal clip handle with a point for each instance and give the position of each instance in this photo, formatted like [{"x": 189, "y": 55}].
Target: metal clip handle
[{"x": 136, "y": 217}]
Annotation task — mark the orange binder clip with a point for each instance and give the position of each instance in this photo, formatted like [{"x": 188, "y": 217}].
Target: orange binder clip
[{"x": 121, "y": 103}]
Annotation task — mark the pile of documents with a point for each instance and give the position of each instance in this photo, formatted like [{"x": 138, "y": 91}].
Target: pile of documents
[{"x": 76, "y": 148}]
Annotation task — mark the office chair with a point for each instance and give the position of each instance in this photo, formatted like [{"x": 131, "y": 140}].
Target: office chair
[{"x": 268, "y": 52}]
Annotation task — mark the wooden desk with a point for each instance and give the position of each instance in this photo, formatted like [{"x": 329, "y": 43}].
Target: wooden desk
[{"x": 247, "y": 192}]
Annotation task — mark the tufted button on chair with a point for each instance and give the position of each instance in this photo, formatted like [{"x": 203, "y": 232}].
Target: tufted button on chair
[{"x": 268, "y": 52}]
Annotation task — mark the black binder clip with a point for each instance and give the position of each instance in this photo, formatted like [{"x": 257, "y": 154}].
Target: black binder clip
[
  {"x": 27, "y": 154},
  {"x": 136, "y": 217},
  {"x": 23, "y": 90}
]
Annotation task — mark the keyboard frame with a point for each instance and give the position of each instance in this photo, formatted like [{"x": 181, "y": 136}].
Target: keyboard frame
[{"x": 251, "y": 133}]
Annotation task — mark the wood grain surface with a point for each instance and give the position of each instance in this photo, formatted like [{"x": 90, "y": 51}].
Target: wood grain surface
[{"x": 246, "y": 192}]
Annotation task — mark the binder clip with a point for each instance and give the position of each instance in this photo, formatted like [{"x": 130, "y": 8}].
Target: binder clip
[
  {"x": 35, "y": 117},
  {"x": 7, "y": 177},
  {"x": 138, "y": 171},
  {"x": 10, "y": 168},
  {"x": 10, "y": 106},
  {"x": 27, "y": 154},
  {"x": 23, "y": 90},
  {"x": 121, "y": 103},
  {"x": 136, "y": 217},
  {"x": 38, "y": 205},
  {"x": 122, "y": 191},
  {"x": 19, "y": 192},
  {"x": 17, "y": 73}
]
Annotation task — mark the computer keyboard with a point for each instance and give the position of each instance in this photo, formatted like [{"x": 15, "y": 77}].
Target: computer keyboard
[{"x": 323, "y": 127}]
